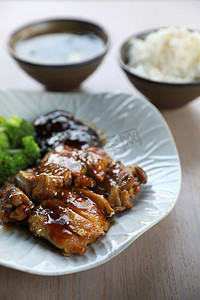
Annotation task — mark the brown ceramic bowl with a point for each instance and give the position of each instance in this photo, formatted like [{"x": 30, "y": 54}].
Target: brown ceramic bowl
[
  {"x": 59, "y": 77},
  {"x": 162, "y": 94}
]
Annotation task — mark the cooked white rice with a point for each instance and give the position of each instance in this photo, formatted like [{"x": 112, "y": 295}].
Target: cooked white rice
[{"x": 169, "y": 55}]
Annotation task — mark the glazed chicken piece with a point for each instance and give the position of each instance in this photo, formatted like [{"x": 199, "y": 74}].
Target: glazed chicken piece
[
  {"x": 94, "y": 158},
  {"x": 87, "y": 206},
  {"x": 41, "y": 186},
  {"x": 138, "y": 173},
  {"x": 98, "y": 199},
  {"x": 14, "y": 204},
  {"x": 70, "y": 222},
  {"x": 63, "y": 167},
  {"x": 121, "y": 184},
  {"x": 59, "y": 163},
  {"x": 50, "y": 175},
  {"x": 89, "y": 169}
]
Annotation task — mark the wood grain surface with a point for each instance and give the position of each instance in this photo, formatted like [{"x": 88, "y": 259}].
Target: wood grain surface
[{"x": 164, "y": 263}]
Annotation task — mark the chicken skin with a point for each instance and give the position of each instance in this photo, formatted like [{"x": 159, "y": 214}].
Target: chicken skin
[
  {"x": 70, "y": 222},
  {"x": 63, "y": 167},
  {"x": 15, "y": 206},
  {"x": 90, "y": 169},
  {"x": 121, "y": 184}
]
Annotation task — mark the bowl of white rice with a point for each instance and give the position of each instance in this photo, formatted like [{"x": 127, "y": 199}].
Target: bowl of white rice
[{"x": 164, "y": 65}]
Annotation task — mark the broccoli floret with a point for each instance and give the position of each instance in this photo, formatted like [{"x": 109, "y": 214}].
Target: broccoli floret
[
  {"x": 12, "y": 164},
  {"x": 20, "y": 162},
  {"x": 4, "y": 141},
  {"x": 18, "y": 149},
  {"x": 2, "y": 121},
  {"x": 16, "y": 128},
  {"x": 7, "y": 167},
  {"x": 31, "y": 148}
]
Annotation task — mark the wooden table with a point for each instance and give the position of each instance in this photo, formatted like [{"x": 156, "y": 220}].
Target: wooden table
[{"x": 164, "y": 263}]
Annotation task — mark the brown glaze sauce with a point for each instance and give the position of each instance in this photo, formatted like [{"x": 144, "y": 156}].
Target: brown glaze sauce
[
  {"x": 80, "y": 202},
  {"x": 67, "y": 163},
  {"x": 57, "y": 221},
  {"x": 60, "y": 127}
]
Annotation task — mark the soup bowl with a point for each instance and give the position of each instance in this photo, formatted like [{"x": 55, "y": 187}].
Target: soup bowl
[{"x": 57, "y": 74}]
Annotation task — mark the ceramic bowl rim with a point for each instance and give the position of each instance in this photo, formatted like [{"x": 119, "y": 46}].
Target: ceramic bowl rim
[{"x": 59, "y": 66}]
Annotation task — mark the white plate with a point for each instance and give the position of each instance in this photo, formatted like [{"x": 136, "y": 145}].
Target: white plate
[{"x": 137, "y": 134}]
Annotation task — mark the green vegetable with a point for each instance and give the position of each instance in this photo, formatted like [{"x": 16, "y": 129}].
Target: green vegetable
[
  {"x": 2, "y": 120},
  {"x": 31, "y": 148},
  {"x": 16, "y": 128},
  {"x": 4, "y": 141},
  {"x": 18, "y": 149},
  {"x": 7, "y": 167}
]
